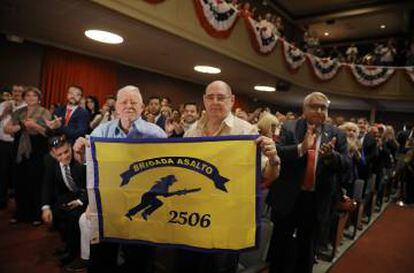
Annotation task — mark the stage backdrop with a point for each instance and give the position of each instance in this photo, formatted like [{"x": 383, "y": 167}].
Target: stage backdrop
[
  {"x": 63, "y": 68},
  {"x": 197, "y": 193}
]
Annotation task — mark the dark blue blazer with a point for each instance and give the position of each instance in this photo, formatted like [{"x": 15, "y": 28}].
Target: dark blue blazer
[
  {"x": 285, "y": 190},
  {"x": 78, "y": 123},
  {"x": 54, "y": 190},
  {"x": 161, "y": 122}
]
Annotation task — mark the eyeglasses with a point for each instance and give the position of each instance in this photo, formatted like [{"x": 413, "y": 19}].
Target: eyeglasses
[
  {"x": 219, "y": 98},
  {"x": 316, "y": 107},
  {"x": 57, "y": 141}
]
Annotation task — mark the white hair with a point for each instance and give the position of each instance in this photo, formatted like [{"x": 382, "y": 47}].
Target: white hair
[
  {"x": 129, "y": 89},
  {"x": 318, "y": 95}
]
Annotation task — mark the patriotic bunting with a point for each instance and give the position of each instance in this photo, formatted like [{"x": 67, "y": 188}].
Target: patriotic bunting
[
  {"x": 217, "y": 17},
  {"x": 371, "y": 76},
  {"x": 262, "y": 35},
  {"x": 293, "y": 56},
  {"x": 324, "y": 69}
]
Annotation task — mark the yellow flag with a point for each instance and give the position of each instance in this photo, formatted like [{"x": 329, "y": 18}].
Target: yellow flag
[{"x": 194, "y": 192}]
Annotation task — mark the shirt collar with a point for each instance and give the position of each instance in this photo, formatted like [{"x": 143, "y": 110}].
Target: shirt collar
[
  {"x": 62, "y": 166},
  {"x": 72, "y": 107},
  {"x": 228, "y": 121},
  {"x": 135, "y": 126}
]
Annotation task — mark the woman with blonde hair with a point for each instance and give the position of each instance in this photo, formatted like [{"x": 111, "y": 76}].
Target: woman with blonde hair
[
  {"x": 389, "y": 151},
  {"x": 268, "y": 126}
]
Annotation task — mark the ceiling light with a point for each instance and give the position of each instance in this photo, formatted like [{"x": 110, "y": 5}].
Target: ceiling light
[
  {"x": 104, "y": 36},
  {"x": 383, "y": 26},
  {"x": 326, "y": 34},
  {"x": 264, "y": 88},
  {"x": 207, "y": 69}
]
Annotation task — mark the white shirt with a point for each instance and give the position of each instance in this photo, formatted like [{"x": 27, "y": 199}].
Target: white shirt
[
  {"x": 3, "y": 136},
  {"x": 65, "y": 179}
]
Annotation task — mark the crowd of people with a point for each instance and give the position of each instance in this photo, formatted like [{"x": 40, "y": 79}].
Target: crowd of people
[{"x": 312, "y": 164}]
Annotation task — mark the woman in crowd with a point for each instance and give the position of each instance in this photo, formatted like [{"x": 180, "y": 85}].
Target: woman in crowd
[
  {"x": 92, "y": 106},
  {"x": 29, "y": 128},
  {"x": 268, "y": 126},
  {"x": 106, "y": 114}
]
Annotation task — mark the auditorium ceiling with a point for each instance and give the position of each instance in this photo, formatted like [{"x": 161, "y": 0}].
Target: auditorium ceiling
[
  {"x": 347, "y": 20},
  {"x": 61, "y": 23}
]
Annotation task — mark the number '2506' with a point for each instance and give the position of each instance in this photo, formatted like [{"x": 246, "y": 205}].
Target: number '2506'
[{"x": 192, "y": 219}]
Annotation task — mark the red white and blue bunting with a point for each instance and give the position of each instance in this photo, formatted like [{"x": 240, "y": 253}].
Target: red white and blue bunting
[
  {"x": 262, "y": 35},
  {"x": 293, "y": 56},
  {"x": 410, "y": 73},
  {"x": 371, "y": 76},
  {"x": 323, "y": 68},
  {"x": 217, "y": 17}
]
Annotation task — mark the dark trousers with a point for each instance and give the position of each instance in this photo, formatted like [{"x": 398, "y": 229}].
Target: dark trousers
[
  {"x": 6, "y": 165},
  {"x": 67, "y": 222},
  {"x": 200, "y": 262},
  {"x": 292, "y": 248},
  {"x": 380, "y": 187},
  {"x": 104, "y": 258},
  {"x": 28, "y": 184}
]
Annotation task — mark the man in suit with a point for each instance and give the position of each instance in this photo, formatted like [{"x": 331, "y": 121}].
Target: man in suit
[
  {"x": 154, "y": 107},
  {"x": 64, "y": 196},
  {"x": 406, "y": 138},
  {"x": 369, "y": 149},
  {"x": 313, "y": 154},
  {"x": 370, "y": 157},
  {"x": 71, "y": 120}
]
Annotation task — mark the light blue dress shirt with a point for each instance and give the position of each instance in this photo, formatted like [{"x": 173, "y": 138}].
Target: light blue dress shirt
[{"x": 140, "y": 129}]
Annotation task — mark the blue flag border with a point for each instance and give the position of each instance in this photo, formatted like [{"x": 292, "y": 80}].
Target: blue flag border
[{"x": 259, "y": 194}]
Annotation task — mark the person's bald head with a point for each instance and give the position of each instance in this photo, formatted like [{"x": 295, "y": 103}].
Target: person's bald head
[
  {"x": 221, "y": 85},
  {"x": 218, "y": 100}
]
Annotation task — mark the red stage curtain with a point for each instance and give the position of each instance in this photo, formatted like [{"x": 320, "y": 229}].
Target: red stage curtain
[{"x": 63, "y": 68}]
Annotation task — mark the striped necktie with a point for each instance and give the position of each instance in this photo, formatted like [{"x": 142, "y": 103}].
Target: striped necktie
[{"x": 69, "y": 179}]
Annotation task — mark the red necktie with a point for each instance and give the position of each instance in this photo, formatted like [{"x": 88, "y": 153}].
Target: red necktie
[
  {"x": 67, "y": 116},
  {"x": 309, "y": 181}
]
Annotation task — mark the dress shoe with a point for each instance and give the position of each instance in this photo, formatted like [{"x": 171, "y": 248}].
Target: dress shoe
[
  {"x": 77, "y": 265},
  {"x": 36, "y": 223},
  {"x": 66, "y": 258},
  {"x": 59, "y": 251}
]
